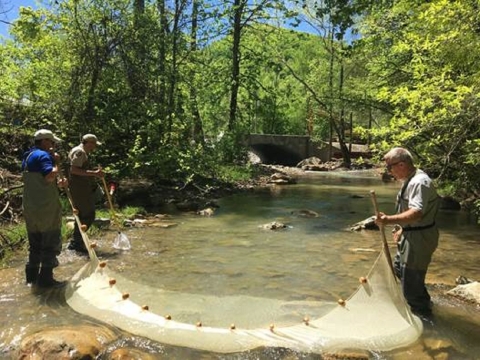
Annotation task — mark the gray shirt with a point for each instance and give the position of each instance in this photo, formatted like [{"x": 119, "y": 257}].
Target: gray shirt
[{"x": 418, "y": 192}]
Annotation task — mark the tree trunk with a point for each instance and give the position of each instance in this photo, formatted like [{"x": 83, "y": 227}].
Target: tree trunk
[
  {"x": 137, "y": 74},
  {"x": 174, "y": 107},
  {"x": 237, "y": 29},
  {"x": 139, "y": 6},
  {"x": 330, "y": 86},
  {"x": 341, "y": 136},
  {"x": 162, "y": 48},
  {"x": 197, "y": 128}
]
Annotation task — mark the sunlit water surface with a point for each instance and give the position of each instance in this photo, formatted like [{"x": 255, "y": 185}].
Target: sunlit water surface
[{"x": 229, "y": 254}]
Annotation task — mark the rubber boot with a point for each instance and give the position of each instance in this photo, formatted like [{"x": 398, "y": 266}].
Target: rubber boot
[
  {"x": 31, "y": 274},
  {"x": 76, "y": 243},
  {"x": 79, "y": 247},
  {"x": 45, "y": 278}
]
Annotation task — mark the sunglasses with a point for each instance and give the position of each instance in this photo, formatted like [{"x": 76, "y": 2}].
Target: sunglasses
[{"x": 390, "y": 166}]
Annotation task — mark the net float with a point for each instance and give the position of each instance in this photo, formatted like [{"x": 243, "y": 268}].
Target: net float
[
  {"x": 102, "y": 264},
  {"x": 272, "y": 327},
  {"x": 168, "y": 317},
  {"x": 112, "y": 282},
  {"x": 93, "y": 245},
  {"x": 232, "y": 327},
  {"x": 75, "y": 211},
  {"x": 363, "y": 280},
  {"x": 341, "y": 302},
  {"x": 199, "y": 324},
  {"x": 145, "y": 307},
  {"x": 306, "y": 320},
  {"x": 83, "y": 227},
  {"x": 125, "y": 296}
]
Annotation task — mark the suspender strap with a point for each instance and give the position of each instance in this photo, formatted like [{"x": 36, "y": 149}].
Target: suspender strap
[
  {"x": 402, "y": 191},
  {"x": 25, "y": 169}
]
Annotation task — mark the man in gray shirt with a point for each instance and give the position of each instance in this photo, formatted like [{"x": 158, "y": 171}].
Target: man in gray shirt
[{"x": 415, "y": 232}]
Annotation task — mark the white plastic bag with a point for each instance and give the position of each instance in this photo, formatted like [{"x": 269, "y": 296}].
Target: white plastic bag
[{"x": 121, "y": 242}]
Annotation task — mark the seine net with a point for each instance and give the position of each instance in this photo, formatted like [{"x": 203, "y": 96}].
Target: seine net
[{"x": 375, "y": 317}]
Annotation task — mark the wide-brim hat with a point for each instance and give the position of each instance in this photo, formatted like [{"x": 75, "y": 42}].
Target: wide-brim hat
[{"x": 46, "y": 134}]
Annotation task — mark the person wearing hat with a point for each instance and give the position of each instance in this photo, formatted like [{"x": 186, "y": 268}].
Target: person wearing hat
[
  {"x": 82, "y": 186},
  {"x": 42, "y": 209}
]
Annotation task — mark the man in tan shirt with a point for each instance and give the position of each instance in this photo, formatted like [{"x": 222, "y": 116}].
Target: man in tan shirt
[{"x": 82, "y": 187}]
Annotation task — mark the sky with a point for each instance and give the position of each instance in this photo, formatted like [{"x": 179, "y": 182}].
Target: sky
[{"x": 9, "y": 12}]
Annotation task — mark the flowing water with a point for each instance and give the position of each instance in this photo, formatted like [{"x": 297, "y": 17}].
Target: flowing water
[{"x": 315, "y": 258}]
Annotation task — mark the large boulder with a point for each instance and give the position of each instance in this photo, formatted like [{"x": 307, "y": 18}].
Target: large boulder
[
  {"x": 469, "y": 292},
  {"x": 313, "y": 164},
  {"x": 311, "y": 161},
  {"x": 367, "y": 224},
  {"x": 58, "y": 343}
]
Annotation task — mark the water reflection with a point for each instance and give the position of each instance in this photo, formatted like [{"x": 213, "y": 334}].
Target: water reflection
[{"x": 315, "y": 259}]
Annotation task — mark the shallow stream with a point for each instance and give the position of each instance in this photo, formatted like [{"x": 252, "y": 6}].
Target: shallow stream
[{"x": 316, "y": 258}]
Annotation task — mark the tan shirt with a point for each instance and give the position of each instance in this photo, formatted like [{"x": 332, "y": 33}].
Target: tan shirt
[{"x": 78, "y": 157}]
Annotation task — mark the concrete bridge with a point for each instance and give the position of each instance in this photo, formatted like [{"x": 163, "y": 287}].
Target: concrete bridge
[
  {"x": 291, "y": 149},
  {"x": 285, "y": 149}
]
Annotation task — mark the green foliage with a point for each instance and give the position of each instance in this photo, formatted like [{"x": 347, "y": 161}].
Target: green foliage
[
  {"x": 234, "y": 173},
  {"x": 33, "y": 80},
  {"x": 422, "y": 66},
  {"x": 67, "y": 232},
  {"x": 477, "y": 210},
  {"x": 271, "y": 100},
  {"x": 12, "y": 239},
  {"x": 129, "y": 212}
]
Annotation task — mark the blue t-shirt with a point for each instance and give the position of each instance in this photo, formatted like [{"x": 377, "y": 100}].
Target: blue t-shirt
[{"x": 39, "y": 161}]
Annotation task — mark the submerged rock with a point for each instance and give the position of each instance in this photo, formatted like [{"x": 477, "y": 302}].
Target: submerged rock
[
  {"x": 305, "y": 213},
  {"x": 273, "y": 226},
  {"x": 129, "y": 354}
]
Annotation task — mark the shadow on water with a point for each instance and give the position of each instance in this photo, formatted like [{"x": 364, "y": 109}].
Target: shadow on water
[
  {"x": 51, "y": 297},
  {"x": 316, "y": 258}
]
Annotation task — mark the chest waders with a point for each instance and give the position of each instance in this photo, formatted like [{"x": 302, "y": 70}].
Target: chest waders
[
  {"x": 43, "y": 218},
  {"x": 82, "y": 190},
  {"x": 414, "y": 253}
]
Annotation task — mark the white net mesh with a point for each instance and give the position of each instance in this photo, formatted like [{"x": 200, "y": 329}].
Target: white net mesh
[{"x": 375, "y": 317}]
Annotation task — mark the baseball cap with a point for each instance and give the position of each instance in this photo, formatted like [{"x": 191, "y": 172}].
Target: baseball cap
[{"x": 92, "y": 138}]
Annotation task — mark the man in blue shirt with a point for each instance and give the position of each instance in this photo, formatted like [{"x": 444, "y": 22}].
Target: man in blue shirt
[{"x": 42, "y": 209}]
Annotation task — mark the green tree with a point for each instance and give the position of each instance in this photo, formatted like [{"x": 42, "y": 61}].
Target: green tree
[
  {"x": 32, "y": 81},
  {"x": 423, "y": 64}
]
